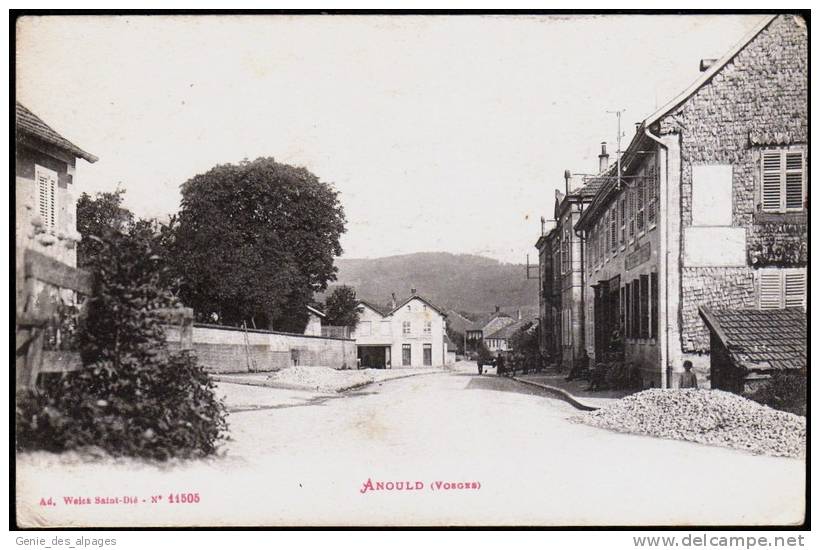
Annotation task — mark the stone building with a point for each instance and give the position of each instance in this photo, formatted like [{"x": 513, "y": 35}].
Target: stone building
[
  {"x": 561, "y": 268},
  {"x": 709, "y": 208},
  {"x": 45, "y": 199},
  {"x": 411, "y": 334}
]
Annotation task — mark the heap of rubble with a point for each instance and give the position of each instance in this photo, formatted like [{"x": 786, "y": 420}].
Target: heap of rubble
[{"x": 712, "y": 417}]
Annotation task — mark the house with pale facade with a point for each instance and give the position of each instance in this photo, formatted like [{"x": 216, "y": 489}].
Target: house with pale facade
[
  {"x": 709, "y": 209},
  {"x": 410, "y": 334}
]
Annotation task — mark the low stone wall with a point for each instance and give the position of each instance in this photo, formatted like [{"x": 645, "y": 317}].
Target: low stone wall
[{"x": 232, "y": 350}]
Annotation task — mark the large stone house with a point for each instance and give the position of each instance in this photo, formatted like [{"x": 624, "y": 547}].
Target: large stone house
[
  {"x": 709, "y": 208},
  {"x": 411, "y": 334}
]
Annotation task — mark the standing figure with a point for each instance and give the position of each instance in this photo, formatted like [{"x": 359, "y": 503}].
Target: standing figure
[
  {"x": 688, "y": 378},
  {"x": 499, "y": 365}
]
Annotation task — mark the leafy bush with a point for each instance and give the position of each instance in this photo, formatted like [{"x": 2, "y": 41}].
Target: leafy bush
[
  {"x": 133, "y": 397},
  {"x": 785, "y": 392}
]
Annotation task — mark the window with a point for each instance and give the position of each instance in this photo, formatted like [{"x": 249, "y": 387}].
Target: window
[
  {"x": 635, "y": 306},
  {"x": 640, "y": 205},
  {"x": 622, "y": 217},
  {"x": 779, "y": 288},
  {"x": 565, "y": 261},
  {"x": 46, "y": 181},
  {"x": 644, "y": 306},
  {"x": 406, "y": 355},
  {"x": 782, "y": 181},
  {"x": 608, "y": 233},
  {"x": 428, "y": 355},
  {"x": 622, "y": 304},
  {"x": 405, "y": 328},
  {"x": 630, "y": 206},
  {"x": 428, "y": 327},
  {"x": 613, "y": 227},
  {"x": 628, "y": 310},
  {"x": 654, "y": 321},
  {"x": 651, "y": 195}
]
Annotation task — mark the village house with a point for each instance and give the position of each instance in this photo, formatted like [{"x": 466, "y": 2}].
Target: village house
[
  {"x": 411, "y": 334},
  {"x": 45, "y": 198},
  {"x": 709, "y": 208},
  {"x": 499, "y": 340},
  {"x": 561, "y": 271}
]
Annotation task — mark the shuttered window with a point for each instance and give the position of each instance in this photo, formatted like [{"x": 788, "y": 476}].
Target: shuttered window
[
  {"x": 651, "y": 196},
  {"x": 631, "y": 211},
  {"x": 613, "y": 227},
  {"x": 782, "y": 181},
  {"x": 640, "y": 207},
  {"x": 779, "y": 288},
  {"x": 622, "y": 211},
  {"x": 46, "y": 189}
]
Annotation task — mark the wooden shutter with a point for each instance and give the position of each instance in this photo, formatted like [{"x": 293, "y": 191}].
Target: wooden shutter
[
  {"x": 794, "y": 288},
  {"x": 613, "y": 227},
  {"x": 770, "y": 288},
  {"x": 631, "y": 207},
  {"x": 46, "y": 195},
  {"x": 650, "y": 195},
  {"x": 771, "y": 191},
  {"x": 794, "y": 181}
]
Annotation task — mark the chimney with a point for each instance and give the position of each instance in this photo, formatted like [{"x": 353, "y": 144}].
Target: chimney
[
  {"x": 497, "y": 309},
  {"x": 567, "y": 181},
  {"x": 393, "y": 300},
  {"x": 519, "y": 314},
  {"x": 603, "y": 158},
  {"x": 543, "y": 224},
  {"x": 412, "y": 291},
  {"x": 705, "y": 64},
  {"x": 638, "y": 127}
]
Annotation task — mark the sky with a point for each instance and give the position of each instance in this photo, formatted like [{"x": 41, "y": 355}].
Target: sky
[{"x": 446, "y": 133}]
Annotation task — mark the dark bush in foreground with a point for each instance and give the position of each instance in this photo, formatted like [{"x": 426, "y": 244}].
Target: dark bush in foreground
[
  {"x": 785, "y": 392},
  {"x": 160, "y": 409},
  {"x": 133, "y": 397}
]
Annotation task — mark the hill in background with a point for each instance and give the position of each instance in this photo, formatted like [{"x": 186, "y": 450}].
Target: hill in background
[{"x": 463, "y": 282}]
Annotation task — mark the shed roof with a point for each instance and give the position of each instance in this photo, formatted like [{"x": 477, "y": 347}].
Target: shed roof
[
  {"x": 30, "y": 124},
  {"x": 761, "y": 340}
]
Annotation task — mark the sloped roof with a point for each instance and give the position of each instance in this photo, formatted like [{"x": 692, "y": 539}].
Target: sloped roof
[
  {"x": 507, "y": 331},
  {"x": 30, "y": 124},
  {"x": 316, "y": 311},
  {"x": 761, "y": 340},
  {"x": 378, "y": 309},
  {"x": 607, "y": 185},
  {"x": 423, "y": 299},
  {"x": 498, "y": 321},
  {"x": 459, "y": 322}
]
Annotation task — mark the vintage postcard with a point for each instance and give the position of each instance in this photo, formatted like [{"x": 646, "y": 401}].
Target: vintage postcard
[{"x": 411, "y": 269}]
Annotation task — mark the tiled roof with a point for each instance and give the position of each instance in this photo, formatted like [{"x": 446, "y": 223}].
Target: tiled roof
[
  {"x": 377, "y": 308},
  {"x": 761, "y": 340},
  {"x": 508, "y": 330},
  {"x": 423, "y": 299},
  {"x": 30, "y": 124},
  {"x": 458, "y": 322}
]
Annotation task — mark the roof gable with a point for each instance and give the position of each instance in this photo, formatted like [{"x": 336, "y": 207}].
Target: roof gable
[
  {"x": 421, "y": 299},
  {"x": 29, "y": 124}
]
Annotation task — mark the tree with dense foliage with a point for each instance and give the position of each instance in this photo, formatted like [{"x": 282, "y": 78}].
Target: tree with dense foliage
[
  {"x": 341, "y": 307},
  {"x": 254, "y": 241},
  {"x": 456, "y": 338},
  {"x": 524, "y": 342},
  {"x": 95, "y": 217},
  {"x": 133, "y": 396}
]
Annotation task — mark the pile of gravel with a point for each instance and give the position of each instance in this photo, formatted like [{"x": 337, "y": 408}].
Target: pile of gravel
[
  {"x": 320, "y": 378},
  {"x": 712, "y": 417}
]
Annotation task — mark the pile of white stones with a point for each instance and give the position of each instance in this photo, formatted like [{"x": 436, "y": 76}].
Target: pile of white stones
[{"x": 712, "y": 417}]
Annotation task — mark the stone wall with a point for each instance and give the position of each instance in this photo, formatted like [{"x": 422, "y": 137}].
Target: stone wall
[
  {"x": 759, "y": 99},
  {"x": 228, "y": 349},
  {"x": 715, "y": 287}
]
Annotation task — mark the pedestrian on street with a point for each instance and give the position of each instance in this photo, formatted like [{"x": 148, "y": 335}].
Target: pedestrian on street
[
  {"x": 499, "y": 364},
  {"x": 688, "y": 378},
  {"x": 480, "y": 366}
]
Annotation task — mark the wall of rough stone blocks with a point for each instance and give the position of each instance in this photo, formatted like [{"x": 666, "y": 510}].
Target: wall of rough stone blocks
[
  {"x": 225, "y": 349},
  {"x": 759, "y": 98},
  {"x": 715, "y": 287}
]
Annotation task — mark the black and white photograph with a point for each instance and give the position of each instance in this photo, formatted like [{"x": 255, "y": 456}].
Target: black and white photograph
[{"x": 411, "y": 269}]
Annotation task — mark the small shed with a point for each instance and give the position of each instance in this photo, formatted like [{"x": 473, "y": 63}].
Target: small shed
[{"x": 749, "y": 346}]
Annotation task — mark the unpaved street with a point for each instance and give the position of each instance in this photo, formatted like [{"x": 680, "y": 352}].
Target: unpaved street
[{"x": 302, "y": 461}]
